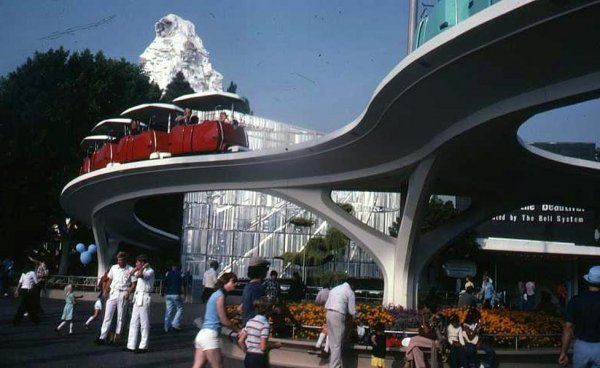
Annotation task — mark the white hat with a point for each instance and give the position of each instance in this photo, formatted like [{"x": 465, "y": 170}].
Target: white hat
[
  {"x": 258, "y": 261},
  {"x": 593, "y": 276}
]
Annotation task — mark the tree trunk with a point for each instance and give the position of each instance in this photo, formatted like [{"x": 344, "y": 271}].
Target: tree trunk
[{"x": 65, "y": 250}]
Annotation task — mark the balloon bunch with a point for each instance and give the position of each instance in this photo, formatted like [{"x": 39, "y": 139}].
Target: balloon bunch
[{"x": 85, "y": 255}]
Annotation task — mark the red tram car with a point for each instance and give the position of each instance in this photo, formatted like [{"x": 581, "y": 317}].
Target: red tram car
[{"x": 150, "y": 131}]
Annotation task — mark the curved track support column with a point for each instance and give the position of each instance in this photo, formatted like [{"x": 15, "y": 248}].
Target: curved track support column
[
  {"x": 106, "y": 247},
  {"x": 434, "y": 241},
  {"x": 377, "y": 244},
  {"x": 416, "y": 197}
]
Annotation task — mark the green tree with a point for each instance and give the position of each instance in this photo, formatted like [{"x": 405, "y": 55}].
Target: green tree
[
  {"x": 232, "y": 87},
  {"x": 47, "y": 106},
  {"x": 436, "y": 213},
  {"x": 179, "y": 86},
  {"x": 319, "y": 249}
]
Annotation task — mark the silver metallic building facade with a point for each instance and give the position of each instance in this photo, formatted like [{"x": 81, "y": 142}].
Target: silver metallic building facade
[{"x": 232, "y": 226}]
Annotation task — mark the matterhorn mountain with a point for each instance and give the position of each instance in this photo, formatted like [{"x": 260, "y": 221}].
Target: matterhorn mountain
[{"x": 177, "y": 48}]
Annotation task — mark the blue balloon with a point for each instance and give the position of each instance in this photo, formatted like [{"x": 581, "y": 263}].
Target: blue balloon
[
  {"x": 85, "y": 258},
  {"x": 80, "y": 247},
  {"x": 92, "y": 248}
]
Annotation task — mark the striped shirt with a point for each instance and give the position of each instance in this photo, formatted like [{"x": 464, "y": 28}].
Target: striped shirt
[{"x": 256, "y": 328}]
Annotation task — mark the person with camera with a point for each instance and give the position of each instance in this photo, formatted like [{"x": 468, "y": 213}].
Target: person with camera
[{"x": 140, "y": 316}]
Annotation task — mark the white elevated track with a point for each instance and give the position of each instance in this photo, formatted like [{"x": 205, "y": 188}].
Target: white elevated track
[{"x": 445, "y": 121}]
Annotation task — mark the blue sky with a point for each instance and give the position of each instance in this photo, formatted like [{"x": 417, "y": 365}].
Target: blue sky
[{"x": 309, "y": 63}]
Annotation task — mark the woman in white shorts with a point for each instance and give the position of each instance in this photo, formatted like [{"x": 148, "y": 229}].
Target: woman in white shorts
[{"x": 207, "y": 342}]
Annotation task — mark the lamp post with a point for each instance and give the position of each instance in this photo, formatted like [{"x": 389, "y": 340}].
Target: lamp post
[{"x": 304, "y": 264}]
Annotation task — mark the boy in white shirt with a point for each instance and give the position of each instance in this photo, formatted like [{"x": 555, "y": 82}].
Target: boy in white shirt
[{"x": 456, "y": 342}]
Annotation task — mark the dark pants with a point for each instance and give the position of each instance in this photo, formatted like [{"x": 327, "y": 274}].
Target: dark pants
[
  {"x": 530, "y": 303},
  {"x": 256, "y": 361},
  {"x": 457, "y": 357},
  {"x": 489, "y": 359},
  {"x": 206, "y": 293},
  {"x": 27, "y": 304},
  {"x": 36, "y": 291},
  {"x": 487, "y": 303}
]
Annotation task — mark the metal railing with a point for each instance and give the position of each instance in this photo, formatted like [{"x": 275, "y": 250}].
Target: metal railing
[
  {"x": 86, "y": 283},
  {"x": 407, "y": 333}
]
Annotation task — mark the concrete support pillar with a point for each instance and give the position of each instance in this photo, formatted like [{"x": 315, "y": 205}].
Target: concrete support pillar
[
  {"x": 106, "y": 247},
  {"x": 434, "y": 241},
  {"x": 379, "y": 245},
  {"x": 400, "y": 291},
  {"x": 393, "y": 256}
]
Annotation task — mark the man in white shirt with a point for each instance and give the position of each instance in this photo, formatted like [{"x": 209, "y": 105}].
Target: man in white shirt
[
  {"x": 25, "y": 290},
  {"x": 341, "y": 301},
  {"x": 121, "y": 284},
  {"x": 322, "y": 295},
  {"x": 209, "y": 279},
  {"x": 530, "y": 292},
  {"x": 140, "y": 316}
]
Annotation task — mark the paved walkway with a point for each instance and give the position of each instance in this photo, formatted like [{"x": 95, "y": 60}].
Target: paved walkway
[{"x": 30, "y": 345}]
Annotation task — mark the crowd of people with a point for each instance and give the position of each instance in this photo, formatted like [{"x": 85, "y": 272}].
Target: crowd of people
[
  {"x": 188, "y": 119},
  {"x": 264, "y": 313},
  {"x": 456, "y": 341}
]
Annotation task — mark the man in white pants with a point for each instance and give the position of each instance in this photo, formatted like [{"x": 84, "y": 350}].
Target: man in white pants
[
  {"x": 341, "y": 301},
  {"x": 140, "y": 316},
  {"x": 121, "y": 284}
]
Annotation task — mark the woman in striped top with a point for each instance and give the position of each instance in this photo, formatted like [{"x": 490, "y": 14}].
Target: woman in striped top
[{"x": 254, "y": 338}]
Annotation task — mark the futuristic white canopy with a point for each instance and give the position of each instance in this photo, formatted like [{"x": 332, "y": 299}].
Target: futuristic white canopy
[
  {"x": 211, "y": 100},
  {"x": 445, "y": 121}
]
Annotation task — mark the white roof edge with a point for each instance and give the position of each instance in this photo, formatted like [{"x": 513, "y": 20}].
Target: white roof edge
[
  {"x": 97, "y": 138},
  {"x": 208, "y": 93},
  {"x": 152, "y": 104},
  {"x": 536, "y": 246}
]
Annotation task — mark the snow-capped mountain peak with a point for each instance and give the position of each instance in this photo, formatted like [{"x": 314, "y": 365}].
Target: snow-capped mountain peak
[{"x": 177, "y": 48}]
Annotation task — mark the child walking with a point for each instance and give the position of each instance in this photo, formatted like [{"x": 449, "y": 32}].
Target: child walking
[
  {"x": 322, "y": 343},
  {"x": 379, "y": 348},
  {"x": 97, "y": 311},
  {"x": 102, "y": 284},
  {"x": 67, "y": 315},
  {"x": 254, "y": 338}
]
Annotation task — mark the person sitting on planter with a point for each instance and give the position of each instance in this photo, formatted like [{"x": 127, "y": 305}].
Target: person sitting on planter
[
  {"x": 456, "y": 342},
  {"x": 431, "y": 333},
  {"x": 473, "y": 341}
]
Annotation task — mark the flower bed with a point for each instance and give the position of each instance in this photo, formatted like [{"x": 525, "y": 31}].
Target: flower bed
[
  {"x": 494, "y": 322},
  {"x": 506, "y": 322}
]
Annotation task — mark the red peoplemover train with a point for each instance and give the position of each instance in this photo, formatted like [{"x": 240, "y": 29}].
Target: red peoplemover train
[{"x": 149, "y": 131}]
